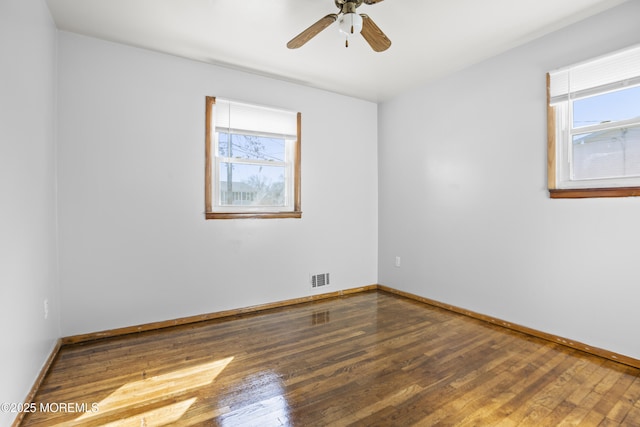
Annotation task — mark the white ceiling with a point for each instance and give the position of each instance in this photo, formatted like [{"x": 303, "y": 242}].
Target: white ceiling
[{"x": 430, "y": 38}]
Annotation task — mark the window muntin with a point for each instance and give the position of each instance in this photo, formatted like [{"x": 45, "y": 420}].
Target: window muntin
[
  {"x": 594, "y": 126},
  {"x": 252, "y": 161}
]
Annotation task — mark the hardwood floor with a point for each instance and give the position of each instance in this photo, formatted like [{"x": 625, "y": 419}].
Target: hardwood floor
[{"x": 369, "y": 359}]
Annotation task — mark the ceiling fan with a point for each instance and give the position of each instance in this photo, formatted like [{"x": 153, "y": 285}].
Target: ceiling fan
[{"x": 350, "y": 23}]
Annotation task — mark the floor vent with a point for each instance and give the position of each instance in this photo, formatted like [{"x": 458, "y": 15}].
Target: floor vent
[{"x": 318, "y": 280}]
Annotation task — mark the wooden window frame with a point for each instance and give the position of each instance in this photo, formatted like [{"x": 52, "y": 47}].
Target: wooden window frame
[{"x": 208, "y": 173}]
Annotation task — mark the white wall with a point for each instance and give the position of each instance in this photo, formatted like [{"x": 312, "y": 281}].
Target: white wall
[
  {"x": 28, "y": 273},
  {"x": 134, "y": 244},
  {"x": 463, "y": 199}
]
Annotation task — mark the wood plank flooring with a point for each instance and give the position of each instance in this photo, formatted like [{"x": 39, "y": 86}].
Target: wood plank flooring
[{"x": 368, "y": 359}]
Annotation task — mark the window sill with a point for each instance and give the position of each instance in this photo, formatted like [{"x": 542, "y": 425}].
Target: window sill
[
  {"x": 584, "y": 193},
  {"x": 252, "y": 215}
]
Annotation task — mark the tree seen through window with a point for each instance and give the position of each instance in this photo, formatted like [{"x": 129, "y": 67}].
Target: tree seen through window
[{"x": 255, "y": 173}]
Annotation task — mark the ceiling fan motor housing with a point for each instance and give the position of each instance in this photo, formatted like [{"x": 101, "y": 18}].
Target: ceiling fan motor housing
[{"x": 348, "y": 6}]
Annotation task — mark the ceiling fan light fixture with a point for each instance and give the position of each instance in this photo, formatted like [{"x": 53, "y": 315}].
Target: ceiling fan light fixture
[{"x": 349, "y": 24}]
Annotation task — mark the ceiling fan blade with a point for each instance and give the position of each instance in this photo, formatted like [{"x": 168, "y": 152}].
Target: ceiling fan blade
[
  {"x": 312, "y": 31},
  {"x": 371, "y": 1},
  {"x": 374, "y": 35}
]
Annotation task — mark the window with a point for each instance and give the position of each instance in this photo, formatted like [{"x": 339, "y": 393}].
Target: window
[
  {"x": 594, "y": 127},
  {"x": 252, "y": 161}
]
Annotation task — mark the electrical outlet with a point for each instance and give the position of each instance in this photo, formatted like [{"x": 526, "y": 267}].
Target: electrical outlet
[
  {"x": 46, "y": 309},
  {"x": 397, "y": 261}
]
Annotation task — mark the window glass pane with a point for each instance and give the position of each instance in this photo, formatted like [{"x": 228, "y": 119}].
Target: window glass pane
[
  {"x": 251, "y": 185},
  {"x": 251, "y": 147},
  {"x": 609, "y": 107},
  {"x": 613, "y": 153}
]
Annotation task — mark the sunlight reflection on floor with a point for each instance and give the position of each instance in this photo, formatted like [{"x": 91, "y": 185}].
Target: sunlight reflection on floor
[
  {"x": 269, "y": 405},
  {"x": 156, "y": 389},
  {"x": 157, "y": 417}
]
